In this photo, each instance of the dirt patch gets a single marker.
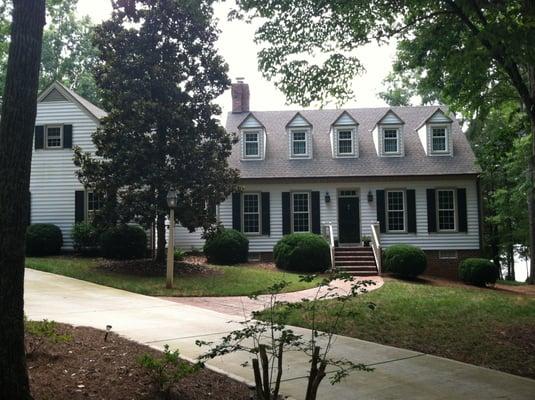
(191, 265)
(87, 367)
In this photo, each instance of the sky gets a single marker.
(238, 49)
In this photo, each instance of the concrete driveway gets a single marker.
(399, 373)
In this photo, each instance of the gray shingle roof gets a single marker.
(415, 162)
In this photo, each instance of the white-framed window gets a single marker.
(251, 213)
(395, 211)
(447, 254)
(299, 142)
(439, 139)
(345, 143)
(301, 212)
(446, 210)
(94, 203)
(251, 139)
(391, 141)
(54, 136)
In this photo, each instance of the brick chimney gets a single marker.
(240, 96)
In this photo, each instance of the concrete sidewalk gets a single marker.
(399, 374)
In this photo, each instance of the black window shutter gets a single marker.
(236, 211)
(431, 211)
(286, 214)
(79, 206)
(39, 137)
(316, 225)
(67, 136)
(381, 210)
(266, 229)
(411, 211)
(461, 205)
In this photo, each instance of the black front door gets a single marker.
(348, 220)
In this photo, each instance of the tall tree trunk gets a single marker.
(160, 232)
(16, 134)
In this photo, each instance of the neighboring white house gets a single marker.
(409, 168)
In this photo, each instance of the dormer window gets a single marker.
(252, 144)
(299, 137)
(344, 136)
(253, 139)
(391, 141)
(299, 143)
(439, 139)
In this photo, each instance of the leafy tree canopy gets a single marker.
(159, 74)
(67, 54)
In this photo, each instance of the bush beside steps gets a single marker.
(405, 260)
(43, 240)
(302, 252)
(478, 272)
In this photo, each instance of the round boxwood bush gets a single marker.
(226, 246)
(477, 271)
(85, 237)
(123, 242)
(43, 240)
(302, 252)
(405, 260)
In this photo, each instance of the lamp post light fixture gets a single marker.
(171, 203)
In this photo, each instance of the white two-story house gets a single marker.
(409, 169)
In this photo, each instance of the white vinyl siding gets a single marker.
(368, 213)
(53, 181)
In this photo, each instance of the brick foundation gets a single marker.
(266, 256)
(447, 268)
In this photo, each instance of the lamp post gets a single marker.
(171, 203)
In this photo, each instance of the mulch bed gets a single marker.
(87, 367)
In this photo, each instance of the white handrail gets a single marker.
(330, 237)
(376, 245)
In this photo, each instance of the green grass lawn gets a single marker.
(478, 326)
(214, 281)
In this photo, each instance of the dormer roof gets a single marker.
(437, 116)
(345, 119)
(298, 121)
(390, 118)
(250, 121)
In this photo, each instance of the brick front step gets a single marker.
(358, 261)
(354, 262)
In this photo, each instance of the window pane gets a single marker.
(251, 149)
(250, 203)
(345, 142)
(53, 137)
(439, 139)
(299, 147)
(395, 211)
(390, 140)
(299, 135)
(446, 209)
(300, 212)
(251, 213)
(93, 202)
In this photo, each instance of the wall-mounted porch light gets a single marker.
(327, 197)
(370, 196)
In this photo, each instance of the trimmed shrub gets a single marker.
(123, 242)
(477, 271)
(85, 237)
(405, 260)
(43, 240)
(226, 246)
(302, 252)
